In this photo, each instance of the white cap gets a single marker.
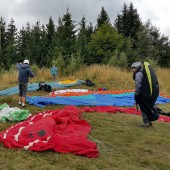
(26, 61)
(136, 65)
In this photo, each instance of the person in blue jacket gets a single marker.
(54, 72)
(24, 73)
(146, 91)
(20, 62)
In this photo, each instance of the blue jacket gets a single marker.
(54, 71)
(18, 66)
(24, 73)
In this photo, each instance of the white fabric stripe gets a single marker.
(29, 115)
(47, 114)
(36, 141)
(19, 132)
(70, 91)
(5, 133)
(32, 118)
(30, 144)
(48, 138)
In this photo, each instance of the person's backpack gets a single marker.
(45, 87)
(162, 112)
(154, 115)
(89, 83)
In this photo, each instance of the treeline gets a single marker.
(70, 45)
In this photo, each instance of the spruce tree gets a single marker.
(103, 18)
(65, 36)
(2, 41)
(104, 43)
(11, 45)
(49, 44)
(25, 46)
(128, 23)
(82, 38)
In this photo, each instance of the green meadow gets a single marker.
(121, 144)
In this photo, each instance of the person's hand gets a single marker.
(137, 107)
(136, 96)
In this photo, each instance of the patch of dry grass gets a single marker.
(164, 81)
(111, 77)
(8, 79)
(102, 75)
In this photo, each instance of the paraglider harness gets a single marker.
(45, 87)
(88, 82)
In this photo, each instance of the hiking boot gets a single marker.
(144, 125)
(19, 103)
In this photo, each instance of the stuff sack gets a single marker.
(162, 112)
(45, 87)
(89, 83)
(155, 114)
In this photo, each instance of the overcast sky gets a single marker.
(23, 11)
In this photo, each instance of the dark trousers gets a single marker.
(146, 104)
(22, 89)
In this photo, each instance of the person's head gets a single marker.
(136, 66)
(26, 61)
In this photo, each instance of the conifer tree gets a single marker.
(65, 36)
(89, 32)
(82, 38)
(25, 46)
(128, 23)
(49, 43)
(2, 41)
(104, 43)
(103, 18)
(36, 43)
(11, 45)
(160, 44)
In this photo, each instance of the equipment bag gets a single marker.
(45, 87)
(89, 83)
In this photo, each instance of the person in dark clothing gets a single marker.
(24, 73)
(146, 91)
(20, 62)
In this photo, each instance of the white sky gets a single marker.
(23, 11)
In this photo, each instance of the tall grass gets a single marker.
(8, 79)
(102, 75)
(111, 77)
(164, 81)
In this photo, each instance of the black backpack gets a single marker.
(89, 83)
(162, 112)
(45, 87)
(154, 115)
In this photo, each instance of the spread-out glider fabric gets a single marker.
(35, 86)
(123, 99)
(58, 130)
(12, 114)
(114, 109)
(80, 92)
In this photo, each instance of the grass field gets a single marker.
(122, 145)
